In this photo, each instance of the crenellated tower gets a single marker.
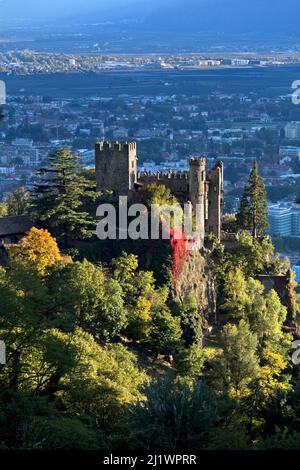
(197, 190)
(215, 180)
(116, 167)
(197, 179)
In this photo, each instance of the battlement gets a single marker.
(197, 161)
(116, 146)
(181, 175)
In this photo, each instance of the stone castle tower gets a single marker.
(197, 189)
(116, 170)
(116, 167)
(215, 200)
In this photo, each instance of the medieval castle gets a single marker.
(116, 170)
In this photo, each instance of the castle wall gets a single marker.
(282, 284)
(178, 183)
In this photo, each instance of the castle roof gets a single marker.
(15, 225)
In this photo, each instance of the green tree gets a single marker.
(254, 256)
(189, 362)
(139, 320)
(55, 432)
(153, 193)
(266, 316)
(58, 200)
(125, 269)
(253, 209)
(18, 202)
(57, 378)
(86, 297)
(238, 364)
(166, 333)
(3, 209)
(243, 218)
(264, 406)
(191, 320)
(176, 415)
(104, 382)
(141, 296)
(235, 297)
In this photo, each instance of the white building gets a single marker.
(292, 130)
(20, 142)
(2, 92)
(280, 220)
(289, 151)
(284, 219)
(240, 62)
(7, 170)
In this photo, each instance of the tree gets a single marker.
(61, 433)
(3, 209)
(58, 200)
(253, 208)
(37, 249)
(175, 416)
(238, 363)
(191, 318)
(254, 256)
(104, 381)
(190, 361)
(23, 327)
(18, 202)
(250, 255)
(235, 294)
(264, 404)
(141, 297)
(153, 193)
(84, 294)
(56, 379)
(125, 269)
(166, 333)
(229, 223)
(243, 218)
(266, 315)
(139, 320)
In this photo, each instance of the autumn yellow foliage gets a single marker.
(38, 249)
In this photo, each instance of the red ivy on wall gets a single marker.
(179, 246)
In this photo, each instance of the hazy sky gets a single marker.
(231, 16)
(44, 8)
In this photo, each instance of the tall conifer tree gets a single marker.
(253, 213)
(59, 200)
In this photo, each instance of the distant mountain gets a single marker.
(228, 16)
(224, 16)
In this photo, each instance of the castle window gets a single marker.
(132, 164)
